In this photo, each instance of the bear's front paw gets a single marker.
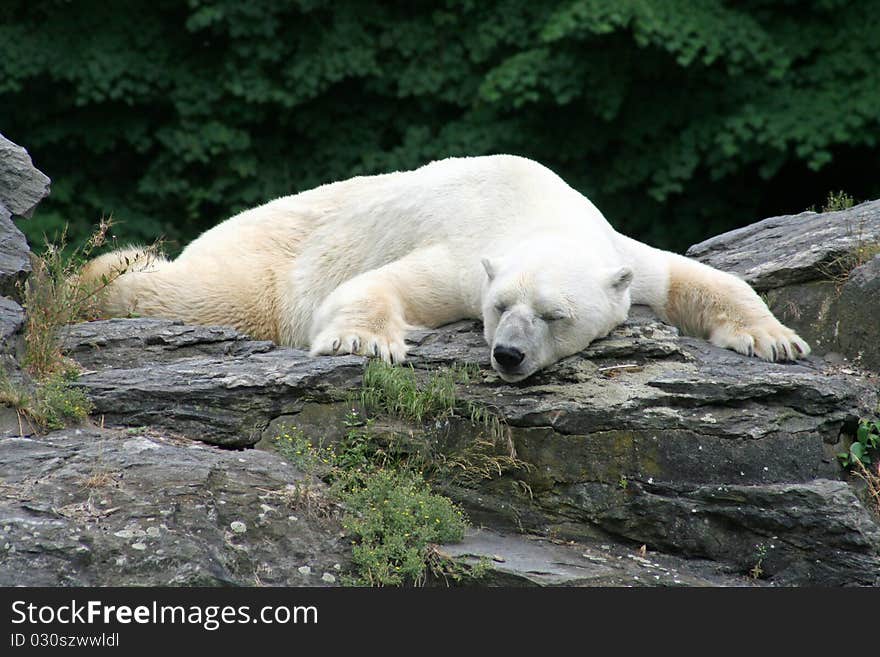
(334, 342)
(769, 340)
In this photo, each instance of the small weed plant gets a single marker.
(396, 520)
(58, 403)
(865, 446)
(387, 507)
(757, 571)
(837, 201)
(51, 403)
(863, 459)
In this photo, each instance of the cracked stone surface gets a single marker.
(93, 507)
(646, 437)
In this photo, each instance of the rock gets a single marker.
(126, 343)
(510, 559)
(11, 323)
(646, 436)
(97, 507)
(21, 187)
(15, 264)
(856, 326)
(218, 398)
(816, 272)
(814, 532)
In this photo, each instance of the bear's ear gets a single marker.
(621, 279)
(490, 268)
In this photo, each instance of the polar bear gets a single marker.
(351, 266)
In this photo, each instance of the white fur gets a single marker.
(351, 266)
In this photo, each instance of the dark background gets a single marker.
(679, 119)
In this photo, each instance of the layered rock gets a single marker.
(22, 187)
(94, 507)
(820, 273)
(646, 437)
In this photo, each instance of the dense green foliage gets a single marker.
(679, 118)
(388, 508)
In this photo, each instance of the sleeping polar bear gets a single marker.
(351, 266)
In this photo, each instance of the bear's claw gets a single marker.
(391, 350)
(769, 341)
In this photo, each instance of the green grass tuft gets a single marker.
(396, 391)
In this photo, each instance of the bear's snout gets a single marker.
(508, 357)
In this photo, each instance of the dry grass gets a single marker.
(98, 479)
(479, 461)
(871, 477)
(55, 295)
(839, 269)
(307, 497)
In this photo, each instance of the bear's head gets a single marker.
(537, 310)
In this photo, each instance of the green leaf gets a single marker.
(857, 450)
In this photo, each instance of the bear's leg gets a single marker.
(362, 316)
(724, 309)
(371, 313)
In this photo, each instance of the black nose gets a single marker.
(508, 357)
